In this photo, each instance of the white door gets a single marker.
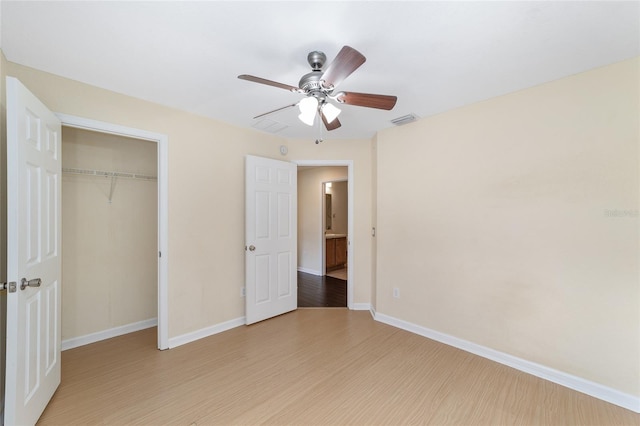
(33, 254)
(271, 238)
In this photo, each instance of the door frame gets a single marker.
(163, 205)
(351, 240)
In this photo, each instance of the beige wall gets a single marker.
(513, 223)
(359, 151)
(310, 214)
(110, 248)
(206, 193)
(339, 207)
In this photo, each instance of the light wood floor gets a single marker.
(309, 367)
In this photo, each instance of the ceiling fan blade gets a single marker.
(367, 100)
(275, 110)
(268, 82)
(346, 62)
(330, 126)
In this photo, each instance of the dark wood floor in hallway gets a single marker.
(321, 291)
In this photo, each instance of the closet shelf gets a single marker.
(102, 173)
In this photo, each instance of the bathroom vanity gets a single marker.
(336, 251)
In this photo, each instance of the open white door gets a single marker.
(33, 255)
(271, 238)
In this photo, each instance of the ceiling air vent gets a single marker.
(269, 126)
(404, 119)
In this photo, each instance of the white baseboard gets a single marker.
(108, 334)
(360, 307)
(310, 271)
(205, 332)
(593, 389)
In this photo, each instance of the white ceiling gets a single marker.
(434, 56)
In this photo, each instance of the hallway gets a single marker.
(321, 291)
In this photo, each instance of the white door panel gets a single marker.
(33, 251)
(271, 240)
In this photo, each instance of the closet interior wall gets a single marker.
(109, 232)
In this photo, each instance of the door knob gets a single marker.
(31, 283)
(252, 247)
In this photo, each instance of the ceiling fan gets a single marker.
(319, 85)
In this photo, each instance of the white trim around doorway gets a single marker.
(163, 205)
(350, 231)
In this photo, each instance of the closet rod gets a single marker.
(102, 173)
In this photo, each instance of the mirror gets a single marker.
(327, 211)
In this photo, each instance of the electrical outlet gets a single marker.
(396, 292)
(242, 292)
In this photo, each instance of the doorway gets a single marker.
(312, 221)
(115, 188)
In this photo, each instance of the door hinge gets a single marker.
(159, 254)
(12, 287)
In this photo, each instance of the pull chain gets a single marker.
(319, 126)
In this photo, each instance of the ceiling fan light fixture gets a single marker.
(308, 107)
(318, 88)
(331, 112)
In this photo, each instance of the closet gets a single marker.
(109, 233)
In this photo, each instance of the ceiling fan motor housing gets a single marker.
(311, 83)
(316, 59)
